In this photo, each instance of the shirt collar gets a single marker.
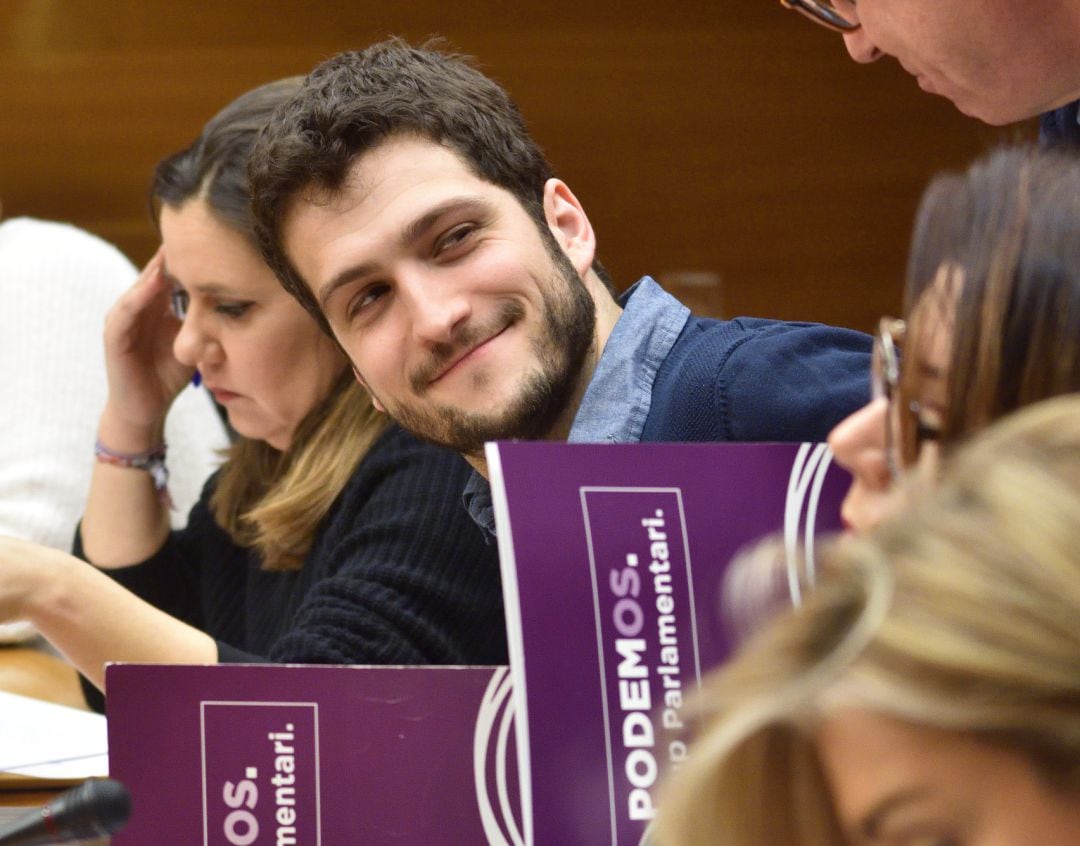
(617, 401)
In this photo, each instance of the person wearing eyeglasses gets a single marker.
(993, 320)
(997, 60)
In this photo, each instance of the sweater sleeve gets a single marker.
(170, 579)
(398, 574)
(401, 574)
(793, 381)
(167, 580)
(759, 380)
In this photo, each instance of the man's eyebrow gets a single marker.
(419, 227)
(342, 279)
(413, 232)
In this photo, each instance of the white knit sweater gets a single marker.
(56, 284)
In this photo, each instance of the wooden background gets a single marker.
(708, 139)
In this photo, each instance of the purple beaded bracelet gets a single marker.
(152, 461)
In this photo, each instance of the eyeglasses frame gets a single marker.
(885, 383)
(821, 13)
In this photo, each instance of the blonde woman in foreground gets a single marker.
(928, 692)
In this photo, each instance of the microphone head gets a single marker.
(94, 809)
(98, 806)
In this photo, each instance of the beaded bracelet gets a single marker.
(152, 461)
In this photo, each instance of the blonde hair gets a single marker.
(275, 501)
(960, 613)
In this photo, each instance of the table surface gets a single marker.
(31, 670)
(10, 814)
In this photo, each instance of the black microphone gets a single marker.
(96, 808)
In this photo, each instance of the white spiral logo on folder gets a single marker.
(800, 510)
(494, 722)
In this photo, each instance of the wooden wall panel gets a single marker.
(715, 138)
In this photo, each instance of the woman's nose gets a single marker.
(192, 342)
(858, 442)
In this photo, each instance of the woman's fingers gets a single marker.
(145, 303)
(150, 284)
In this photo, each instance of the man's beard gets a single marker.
(564, 339)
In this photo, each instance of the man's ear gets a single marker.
(374, 400)
(569, 224)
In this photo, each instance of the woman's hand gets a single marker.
(144, 376)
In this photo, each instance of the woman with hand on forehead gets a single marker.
(328, 535)
(993, 320)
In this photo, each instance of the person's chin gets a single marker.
(973, 111)
(258, 430)
(992, 114)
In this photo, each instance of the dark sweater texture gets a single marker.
(398, 574)
(750, 379)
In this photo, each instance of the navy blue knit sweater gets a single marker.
(398, 574)
(758, 380)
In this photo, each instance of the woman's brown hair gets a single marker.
(269, 500)
(1009, 231)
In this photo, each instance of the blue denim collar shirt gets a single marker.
(617, 401)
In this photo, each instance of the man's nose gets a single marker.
(860, 47)
(438, 308)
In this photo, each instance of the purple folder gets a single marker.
(613, 562)
(232, 755)
(613, 559)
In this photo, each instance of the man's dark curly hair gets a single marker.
(354, 101)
